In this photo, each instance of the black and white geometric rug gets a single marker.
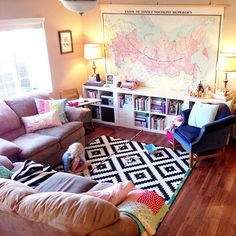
(115, 160)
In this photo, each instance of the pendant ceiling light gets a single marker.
(79, 6)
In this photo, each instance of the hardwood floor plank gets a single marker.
(206, 205)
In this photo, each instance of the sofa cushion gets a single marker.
(41, 121)
(6, 162)
(73, 213)
(8, 119)
(189, 133)
(65, 182)
(44, 106)
(8, 148)
(24, 105)
(14, 133)
(100, 186)
(12, 192)
(32, 144)
(63, 131)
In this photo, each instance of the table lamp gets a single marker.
(93, 52)
(227, 63)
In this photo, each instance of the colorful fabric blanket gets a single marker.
(146, 208)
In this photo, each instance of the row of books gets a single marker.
(141, 120)
(158, 105)
(141, 103)
(158, 122)
(92, 94)
(125, 101)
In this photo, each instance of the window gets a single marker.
(24, 64)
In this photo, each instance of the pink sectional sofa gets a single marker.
(60, 205)
(45, 146)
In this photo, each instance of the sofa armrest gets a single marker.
(75, 113)
(8, 148)
(219, 124)
(6, 162)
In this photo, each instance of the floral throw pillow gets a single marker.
(41, 121)
(51, 105)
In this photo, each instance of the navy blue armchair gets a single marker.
(209, 140)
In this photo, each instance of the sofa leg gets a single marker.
(174, 144)
(89, 126)
(92, 125)
(190, 160)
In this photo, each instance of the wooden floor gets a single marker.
(206, 205)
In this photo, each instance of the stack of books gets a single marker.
(158, 105)
(141, 120)
(94, 83)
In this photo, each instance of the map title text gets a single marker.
(156, 12)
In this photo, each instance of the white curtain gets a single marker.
(24, 64)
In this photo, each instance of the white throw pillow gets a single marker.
(202, 114)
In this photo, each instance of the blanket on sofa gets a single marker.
(146, 208)
(32, 173)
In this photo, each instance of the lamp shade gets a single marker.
(92, 51)
(227, 63)
(79, 6)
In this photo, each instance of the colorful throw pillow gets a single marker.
(41, 121)
(202, 114)
(44, 106)
(4, 172)
(114, 194)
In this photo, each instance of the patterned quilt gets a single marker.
(146, 208)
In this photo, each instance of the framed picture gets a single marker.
(65, 41)
(110, 79)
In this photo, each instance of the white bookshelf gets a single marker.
(150, 109)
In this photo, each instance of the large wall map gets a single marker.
(162, 48)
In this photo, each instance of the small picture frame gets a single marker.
(109, 79)
(65, 41)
